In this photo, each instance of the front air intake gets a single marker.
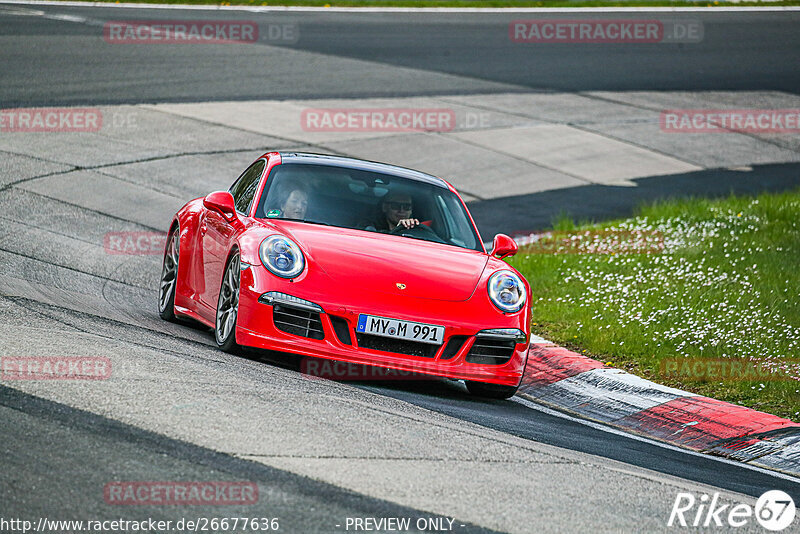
(297, 321)
(341, 329)
(491, 351)
(398, 346)
(452, 347)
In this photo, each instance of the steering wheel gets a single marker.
(420, 232)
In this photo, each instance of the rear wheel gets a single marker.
(228, 306)
(169, 278)
(491, 391)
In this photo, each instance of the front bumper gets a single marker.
(329, 333)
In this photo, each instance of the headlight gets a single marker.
(281, 256)
(507, 291)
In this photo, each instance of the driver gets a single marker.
(396, 211)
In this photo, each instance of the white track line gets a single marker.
(615, 431)
(267, 9)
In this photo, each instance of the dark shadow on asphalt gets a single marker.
(451, 398)
(448, 44)
(537, 211)
(66, 475)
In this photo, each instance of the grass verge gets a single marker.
(715, 282)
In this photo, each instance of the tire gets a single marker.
(169, 277)
(228, 307)
(491, 391)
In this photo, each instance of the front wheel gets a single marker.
(491, 391)
(228, 307)
(169, 278)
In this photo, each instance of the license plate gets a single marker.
(386, 327)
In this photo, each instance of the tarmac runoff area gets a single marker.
(65, 293)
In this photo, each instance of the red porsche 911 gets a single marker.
(354, 261)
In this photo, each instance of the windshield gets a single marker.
(369, 201)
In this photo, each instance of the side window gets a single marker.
(245, 187)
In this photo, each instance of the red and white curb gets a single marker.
(567, 381)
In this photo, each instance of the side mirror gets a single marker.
(503, 246)
(222, 203)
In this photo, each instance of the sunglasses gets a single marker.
(399, 206)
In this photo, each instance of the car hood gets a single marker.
(373, 262)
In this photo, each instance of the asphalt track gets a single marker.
(51, 61)
(56, 478)
(177, 409)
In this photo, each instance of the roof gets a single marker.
(362, 165)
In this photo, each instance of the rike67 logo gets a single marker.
(774, 511)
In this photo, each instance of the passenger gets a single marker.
(293, 202)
